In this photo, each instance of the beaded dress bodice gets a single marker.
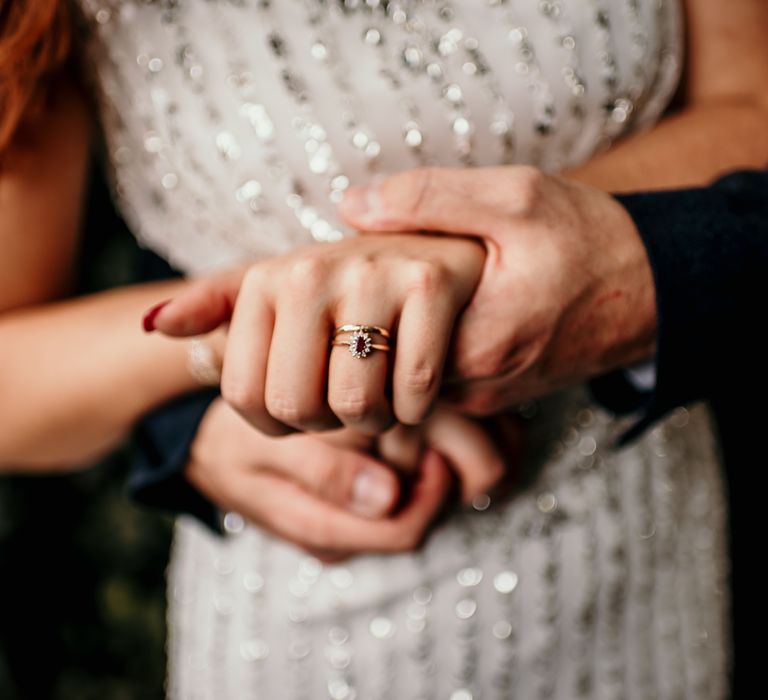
(233, 128)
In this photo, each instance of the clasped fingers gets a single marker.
(354, 333)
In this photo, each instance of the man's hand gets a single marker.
(566, 291)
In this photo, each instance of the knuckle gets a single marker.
(484, 364)
(421, 380)
(241, 396)
(408, 190)
(306, 275)
(354, 406)
(358, 276)
(428, 277)
(287, 410)
(529, 188)
(252, 279)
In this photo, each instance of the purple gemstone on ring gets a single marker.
(360, 345)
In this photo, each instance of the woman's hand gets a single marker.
(340, 494)
(279, 369)
(326, 495)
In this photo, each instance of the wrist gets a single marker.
(626, 302)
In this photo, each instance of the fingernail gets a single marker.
(372, 493)
(359, 203)
(148, 321)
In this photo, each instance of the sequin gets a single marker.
(415, 626)
(248, 190)
(452, 93)
(152, 142)
(470, 576)
(505, 581)
(412, 57)
(257, 115)
(253, 582)
(481, 502)
(338, 636)
(416, 612)
(339, 689)
(228, 146)
(341, 577)
(422, 595)
(321, 230)
(299, 588)
(372, 36)
(466, 608)
(254, 650)
(360, 139)
(434, 71)
(461, 126)
(546, 502)
(319, 51)
(587, 445)
(320, 156)
(224, 565)
(382, 627)
(169, 181)
(502, 629)
(155, 64)
(298, 613)
(234, 523)
(299, 650)
(337, 657)
(372, 149)
(340, 182)
(461, 694)
(223, 604)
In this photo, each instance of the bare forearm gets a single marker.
(75, 375)
(686, 149)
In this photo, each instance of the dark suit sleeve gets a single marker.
(162, 442)
(708, 250)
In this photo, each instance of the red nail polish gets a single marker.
(148, 321)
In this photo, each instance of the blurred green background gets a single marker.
(82, 599)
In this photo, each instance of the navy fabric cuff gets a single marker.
(163, 441)
(708, 249)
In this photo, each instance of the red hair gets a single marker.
(35, 40)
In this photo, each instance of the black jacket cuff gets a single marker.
(708, 250)
(163, 441)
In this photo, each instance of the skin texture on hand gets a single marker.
(566, 292)
(340, 494)
(279, 369)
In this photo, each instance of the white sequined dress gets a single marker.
(233, 127)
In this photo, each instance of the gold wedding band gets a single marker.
(355, 327)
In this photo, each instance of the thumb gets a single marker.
(347, 478)
(445, 200)
(474, 457)
(201, 307)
